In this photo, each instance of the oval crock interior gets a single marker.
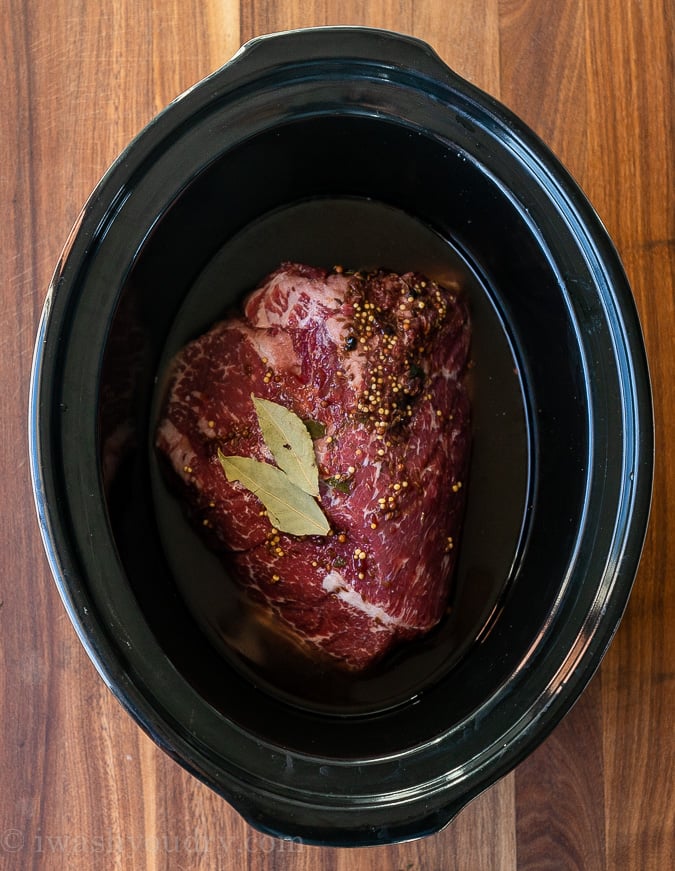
(450, 191)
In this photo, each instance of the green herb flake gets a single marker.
(340, 484)
(315, 428)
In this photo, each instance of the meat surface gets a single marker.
(373, 363)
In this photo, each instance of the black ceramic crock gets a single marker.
(360, 147)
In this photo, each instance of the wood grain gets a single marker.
(82, 786)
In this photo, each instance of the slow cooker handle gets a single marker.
(267, 53)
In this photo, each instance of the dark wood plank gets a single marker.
(559, 790)
(631, 180)
(560, 822)
(543, 73)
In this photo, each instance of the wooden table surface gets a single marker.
(80, 784)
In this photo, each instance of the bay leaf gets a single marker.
(289, 441)
(289, 508)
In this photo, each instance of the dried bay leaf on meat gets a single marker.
(288, 439)
(289, 508)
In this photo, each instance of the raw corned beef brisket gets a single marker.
(373, 364)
